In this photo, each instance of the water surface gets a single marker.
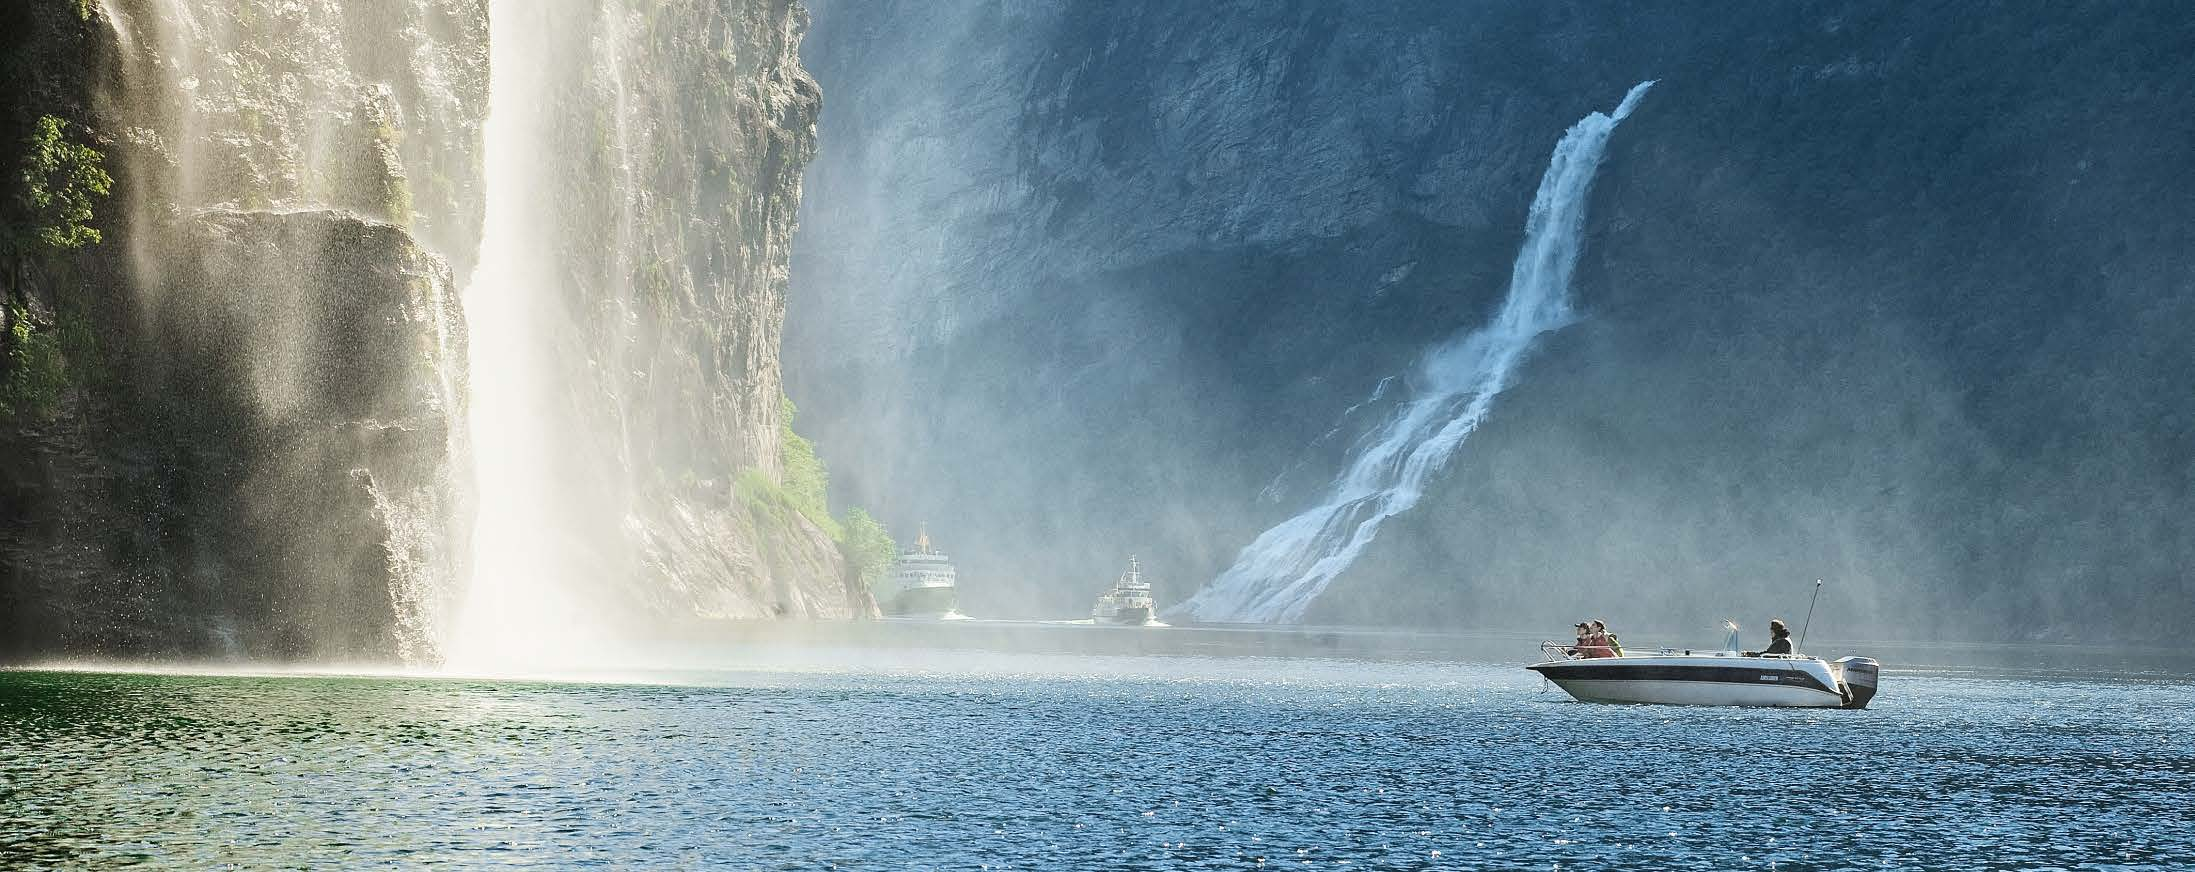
(969, 760)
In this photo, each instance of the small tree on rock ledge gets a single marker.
(52, 211)
(60, 182)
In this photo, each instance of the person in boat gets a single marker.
(1593, 640)
(1779, 640)
(1600, 644)
(1615, 646)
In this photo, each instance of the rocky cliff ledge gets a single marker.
(250, 445)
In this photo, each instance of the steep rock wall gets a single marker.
(663, 170)
(254, 452)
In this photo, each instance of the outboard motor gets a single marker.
(1859, 676)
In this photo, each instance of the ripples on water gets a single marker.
(1078, 762)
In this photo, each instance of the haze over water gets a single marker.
(978, 760)
(552, 376)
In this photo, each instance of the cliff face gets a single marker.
(656, 152)
(257, 443)
(702, 273)
(253, 447)
(1881, 294)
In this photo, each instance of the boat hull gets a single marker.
(924, 602)
(1134, 616)
(1699, 680)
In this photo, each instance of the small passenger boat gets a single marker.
(1730, 677)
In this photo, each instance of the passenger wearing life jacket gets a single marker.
(1615, 648)
(1779, 641)
(1598, 644)
(1593, 640)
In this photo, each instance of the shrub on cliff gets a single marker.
(869, 548)
(59, 184)
(803, 486)
(806, 482)
(35, 370)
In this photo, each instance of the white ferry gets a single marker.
(925, 582)
(1128, 603)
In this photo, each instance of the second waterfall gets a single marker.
(1279, 575)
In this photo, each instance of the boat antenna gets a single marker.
(1809, 616)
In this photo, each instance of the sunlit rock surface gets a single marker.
(653, 153)
(255, 455)
(1871, 292)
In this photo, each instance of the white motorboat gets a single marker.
(1682, 677)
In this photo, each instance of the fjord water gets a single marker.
(970, 760)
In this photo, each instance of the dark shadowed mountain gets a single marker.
(1897, 295)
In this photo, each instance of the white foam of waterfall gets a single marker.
(519, 610)
(1279, 575)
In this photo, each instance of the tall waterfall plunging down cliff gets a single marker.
(1280, 574)
(643, 162)
(518, 605)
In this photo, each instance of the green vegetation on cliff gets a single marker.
(807, 482)
(804, 488)
(60, 182)
(35, 370)
(52, 211)
(868, 547)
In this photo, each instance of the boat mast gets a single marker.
(1809, 616)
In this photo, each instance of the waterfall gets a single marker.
(520, 605)
(643, 161)
(459, 346)
(1279, 575)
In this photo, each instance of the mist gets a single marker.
(1871, 295)
(416, 331)
(475, 432)
(421, 330)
